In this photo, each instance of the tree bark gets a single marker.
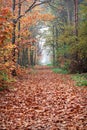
(76, 16)
(54, 46)
(68, 11)
(14, 22)
(19, 13)
(19, 28)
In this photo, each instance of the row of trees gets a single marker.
(67, 35)
(18, 31)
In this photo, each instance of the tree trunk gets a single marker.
(31, 57)
(19, 27)
(19, 13)
(14, 22)
(68, 11)
(13, 72)
(76, 16)
(54, 46)
(75, 59)
(56, 29)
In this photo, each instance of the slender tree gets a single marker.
(76, 16)
(16, 20)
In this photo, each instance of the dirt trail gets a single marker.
(44, 101)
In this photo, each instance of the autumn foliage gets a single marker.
(5, 42)
(12, 54)
(34, 97)
(5, 26)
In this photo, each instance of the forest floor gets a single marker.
(43, 100)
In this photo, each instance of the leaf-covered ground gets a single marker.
(43, 100)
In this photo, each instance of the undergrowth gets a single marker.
(80, 79)
(49, 65)
(5, 81)
(60, 70)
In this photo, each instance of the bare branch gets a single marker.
(20, 2)
(33, 5)
(52, 6)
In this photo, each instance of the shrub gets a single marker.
(80, 79)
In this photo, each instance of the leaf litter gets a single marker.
(44, 101)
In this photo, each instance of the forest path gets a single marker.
(44, 100)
